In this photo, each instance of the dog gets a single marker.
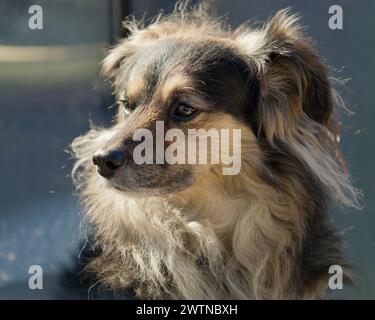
(186, 231)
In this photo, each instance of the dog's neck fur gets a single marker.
(201, 243)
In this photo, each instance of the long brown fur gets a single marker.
(262, 234)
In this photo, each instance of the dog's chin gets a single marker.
(139, 191)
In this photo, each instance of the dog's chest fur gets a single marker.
(153, 249)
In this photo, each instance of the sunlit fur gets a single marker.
(262, 234)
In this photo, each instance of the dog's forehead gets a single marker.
(147, 67)
(212, 68)
(160, 58)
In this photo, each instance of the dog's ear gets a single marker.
(294, 83)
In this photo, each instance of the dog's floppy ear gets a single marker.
(296, 101)
(294, 83)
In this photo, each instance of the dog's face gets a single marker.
(263, 83)
(183, 84)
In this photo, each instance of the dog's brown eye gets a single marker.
(126, 106)
(183, 112)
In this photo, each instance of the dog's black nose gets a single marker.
(108, 162)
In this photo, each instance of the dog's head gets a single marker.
(187, 71)
(176, 81)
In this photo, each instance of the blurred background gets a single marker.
(50, 90)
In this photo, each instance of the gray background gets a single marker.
(45, 104)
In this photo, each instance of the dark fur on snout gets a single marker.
(187, 231)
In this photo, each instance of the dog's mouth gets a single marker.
(149, 179)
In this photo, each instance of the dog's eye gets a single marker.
(183, 112)
(126, 106)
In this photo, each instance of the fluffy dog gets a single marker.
(188, 231)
